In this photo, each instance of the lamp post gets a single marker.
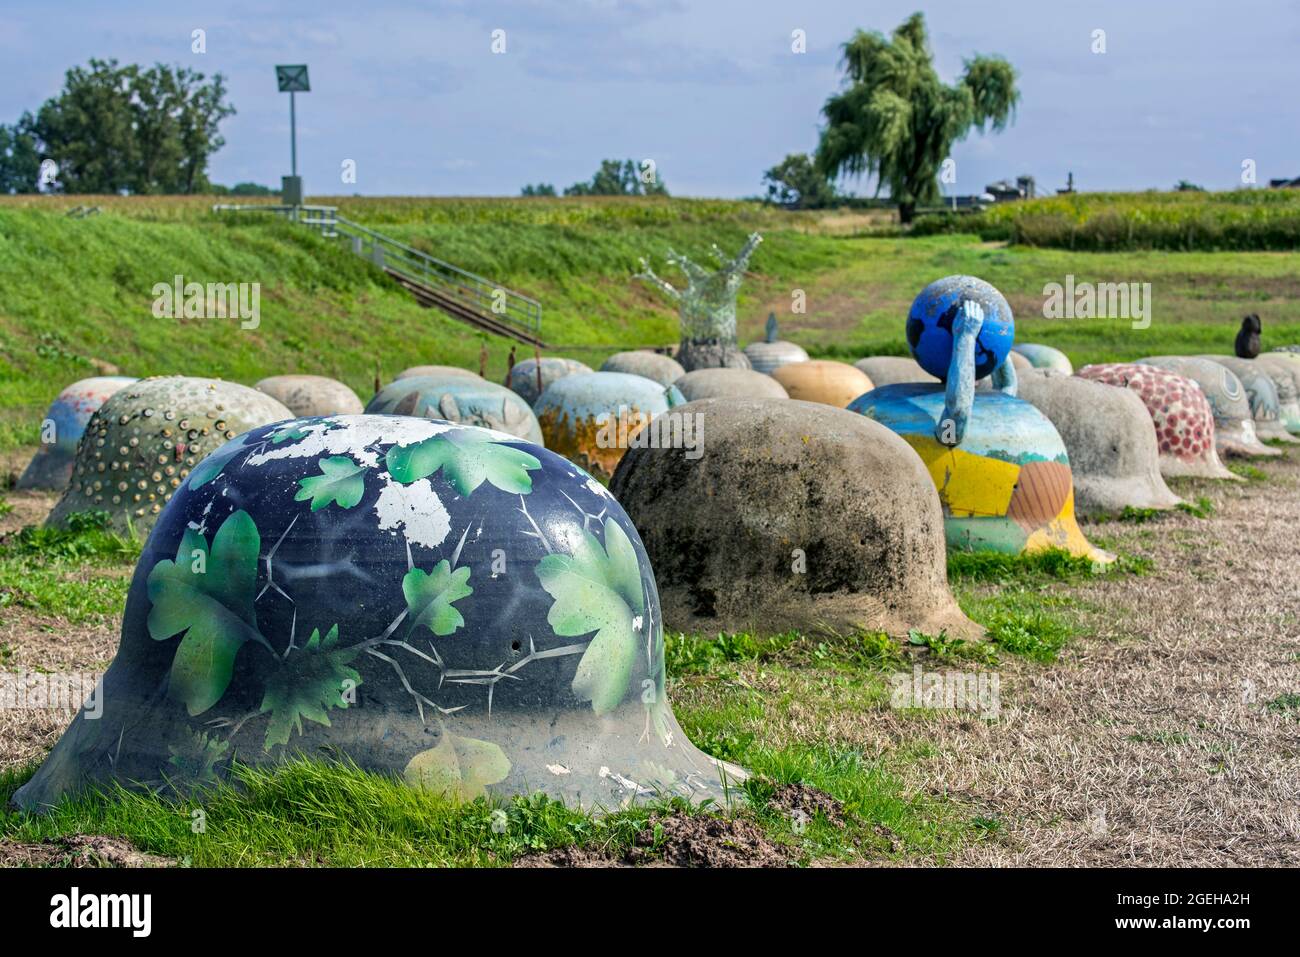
(292, 79)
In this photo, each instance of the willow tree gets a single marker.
(897, 121)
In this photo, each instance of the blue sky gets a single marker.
(708, 89)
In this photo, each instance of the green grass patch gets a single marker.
(1247, 471)
(1201, 507)
(75, 572)
(1285, 702)
(1053, 564)
(1023, 621)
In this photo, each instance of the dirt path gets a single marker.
(1153, 741)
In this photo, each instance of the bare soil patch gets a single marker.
(78, 850)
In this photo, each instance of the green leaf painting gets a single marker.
(288, 433)
(467, 458)
(458, 767)
(598, 589)
(313, 679)
(429, 596)
(208, 595)
(341, 480)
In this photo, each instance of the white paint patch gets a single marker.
(414, 509)
(557, 769)
(598, 489)
(351, 435)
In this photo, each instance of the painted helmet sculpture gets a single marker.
(593, 418)
(65, 421)
(307, 395)
(440, 602)
(1284, 369)
(459, 399)
(526, 380)
(1234, 423)
(1263, 393)
(1001, 468)
(651, 365)
(823, 380)
(772, 353)
(1181, 414)
(148, 437)
(1044, 357)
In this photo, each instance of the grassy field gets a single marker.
(76, 294)
(1255, 219)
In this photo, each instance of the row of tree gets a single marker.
(115, 129)
(614, 178)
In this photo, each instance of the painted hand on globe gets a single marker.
(951, 427)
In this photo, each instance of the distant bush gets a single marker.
(1104, 222)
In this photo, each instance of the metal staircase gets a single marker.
(435, 284)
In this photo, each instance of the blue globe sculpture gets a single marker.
(930, 320)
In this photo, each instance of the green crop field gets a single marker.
(76, 294)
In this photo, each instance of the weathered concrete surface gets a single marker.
(824, 381)
(797, 516)
(1043, 357)
(1110, 438)
(524, 377)
(891, 370)
(308, 395)
(648, 365)
(459, 399)
(737, 383)
(1284, 368)
(426, 371)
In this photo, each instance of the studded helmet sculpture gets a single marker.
(143, 442)
(445, 603)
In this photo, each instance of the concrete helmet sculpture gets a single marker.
(438, 602)
(1284, 370)
(62, 428)
(773, 352)
(307, 395)
(459, 399)
(437, 371)
(530, 377)
(707, 307)
(1109, 436)
(1234, 423)
(1263, 393)
(593, 418)
(737, 383)
(148, 437)
(1044, 357)
(891, 370)
(823, 380)
(801, 516)
(650, 365)
(1001, 468)
(1183, 419)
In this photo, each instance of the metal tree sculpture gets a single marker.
(707, 307)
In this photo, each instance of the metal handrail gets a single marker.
(492, 298)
